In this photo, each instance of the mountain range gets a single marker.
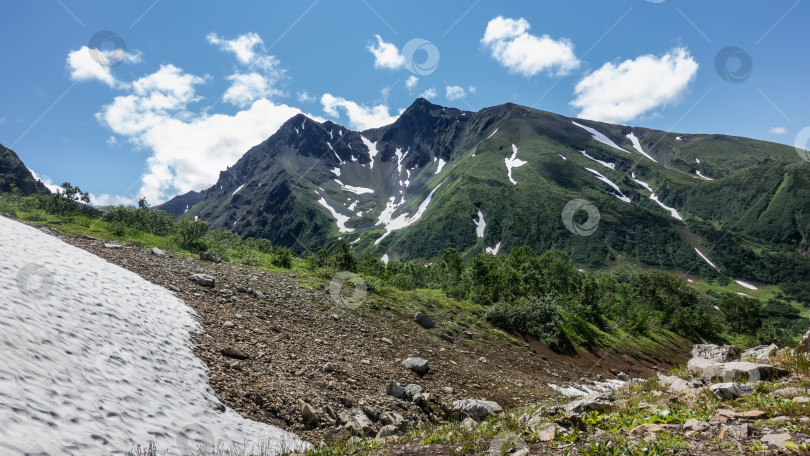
(15, 175)
(438, 177)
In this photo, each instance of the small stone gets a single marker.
(387, 430)
(476, 409)
(258, 294)
(113, 246)
(623, 377)
(203, 280)
(779, 440)
(309, 415)
(156, 251)
(730, 391)
(393, 388)
(423, 320)
(754, 415)
(228, 324)
(546, 432)
(469, 423)
(328, 367)
(387, 341)
(482, 360)
(448, 390)
(233, 352)
(447, 337)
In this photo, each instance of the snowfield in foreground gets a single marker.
(96, 360)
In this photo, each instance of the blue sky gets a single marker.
(201, 81)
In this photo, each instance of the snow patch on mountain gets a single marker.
(513, 162)
(745, 284)
(610, 182)
(353, 189)
(97, 360)
(562, 156)
(237, 190)
(653, 197)
(637, 146)
(403, 220)
(372, 150)
(705, 258)
(492, 134)
(385, 258)
(704, 177)
(340, 218)
(605, 164)
(493, 250)
(600, 137)
(441, 165)
(336, 171)
(480, 225)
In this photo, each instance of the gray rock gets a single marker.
(730, 391)
(593, 402)
(85, 237)
(386, 340)
(208, 256)
(412, 390)
(392, 419)
(693, 424)
(739, 431)
(752, 372)
(778, 440)
(113, 246)
(546, 432)
(258, 294)
(760, 353)
(476, 409)
(676, 384)
(156, 251)
(423, 320)
(363, 421)
(418, 365)
(328, 367)
(309, 415)
(801, 399)
(623, 377)
(482, 360)
(469, 423)
(203, 280)
(387, 430)
(791, 391)
(233, 352)
(448, 390)
(393, 388)
(716, 353)
(447, 337)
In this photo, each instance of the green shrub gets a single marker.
(540, 317)
(191, 231)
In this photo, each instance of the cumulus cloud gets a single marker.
(360, 117)
(46, 181)
(429, 94)
(265, 72)
(411, 82)
(520, 52)
(623, 92)
(84, 64)
(454, 93)
(305, 97)
(778, 130)
(187, 151)
(386, 55)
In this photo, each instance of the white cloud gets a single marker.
(261, 81)
(305, 97)
(106, 199)
(623, 92)
(411, 82)
(429, 94)
(454, 93)
(472, 89)
(360, 117)
(112, 141)
(247, 88)
(46, 181)
(778, 130)
(386, 55)
(522, 53)
(186, 153)
(248, 49)
(86, 64)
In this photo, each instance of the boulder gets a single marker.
(363, 422)
(392, 419)
(730, 391)
(157, 252)
(737, 432)
(760, 353)
(412, 390)
(777, 440)
(212, 257)
(790, 391)
(418, 365)
(309, 415)
(752, 372)
(593, 402)
(423, 320)
(203, 280)
(476, 409)
(393, 388)
(716, 353)
(386, 431)
(678, 385)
